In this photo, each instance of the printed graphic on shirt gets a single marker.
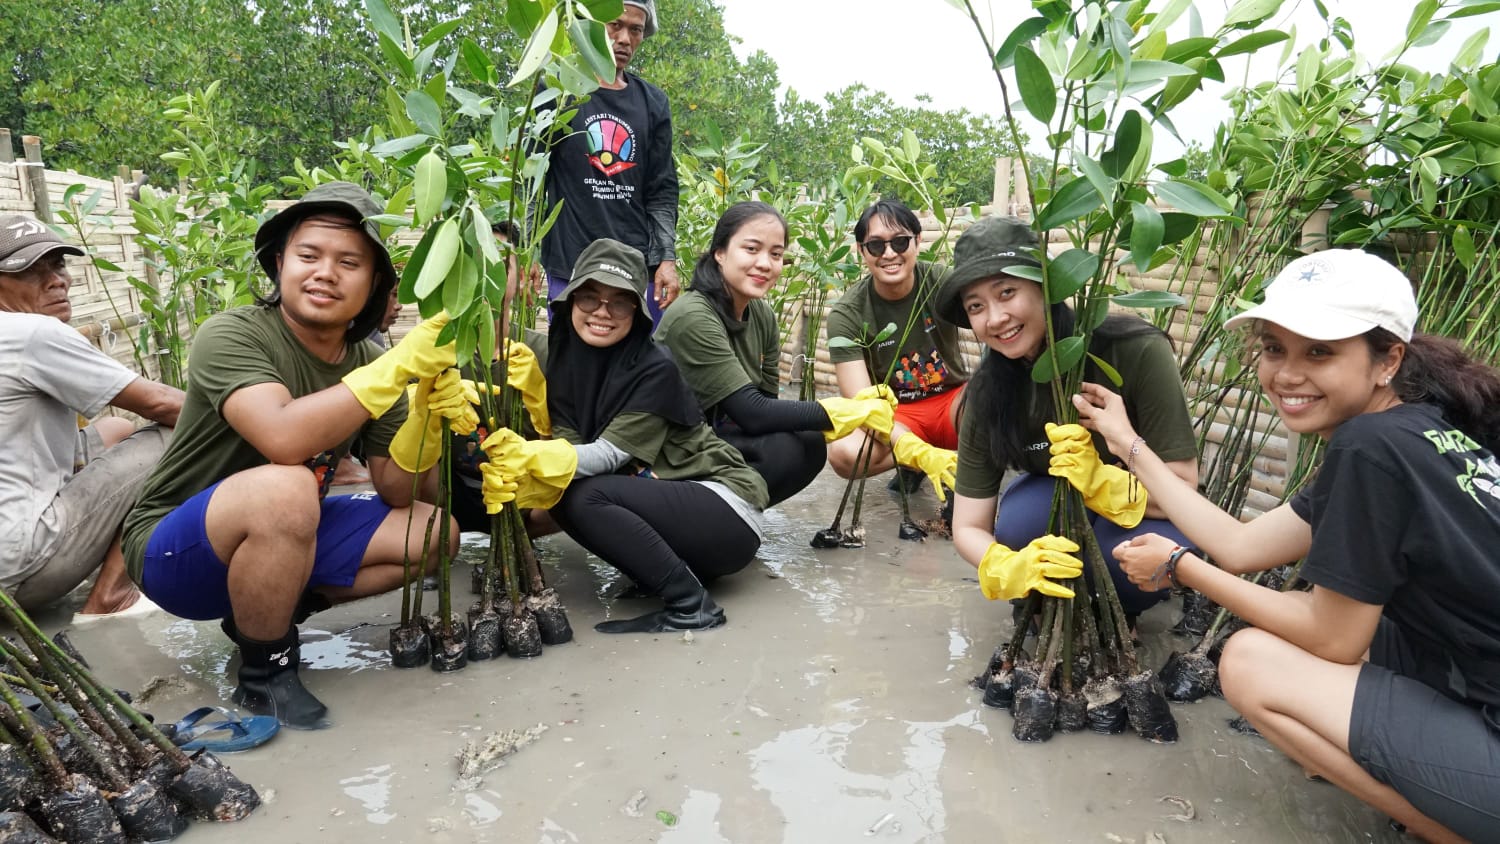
(1481, 476)
(611, 144)
(919, 374)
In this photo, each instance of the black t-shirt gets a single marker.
(615, 177)
(1405, 513)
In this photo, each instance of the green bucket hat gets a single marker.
(344, 199)
(986, 249)
(610, 263)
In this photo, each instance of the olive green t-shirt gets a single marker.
(1154, 401)
(718, 359)
(679, 453)
(930, 362)
(232, 350)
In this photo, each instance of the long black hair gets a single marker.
(370, 317)
(708, 277)
(1440, 371)
(1001, 391)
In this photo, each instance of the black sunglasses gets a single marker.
(874, 247)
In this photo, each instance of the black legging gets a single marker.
(781, 439)
(646, 527)
(787, 460)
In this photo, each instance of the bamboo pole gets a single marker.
(7, 149)
(36, 177)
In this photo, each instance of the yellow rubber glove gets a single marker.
(849, 415)
(541, 469)
(1109, 491)
(419, 441)
(939, 464)
(1008, 574)
(877, 391)
(524, 373)
(495, 489)
(433, 405)
(454, 399)
(380, 382)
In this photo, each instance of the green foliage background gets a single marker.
(92, 78)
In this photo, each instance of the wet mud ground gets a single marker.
(835, 706)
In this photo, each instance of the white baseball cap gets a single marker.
(1336, 294)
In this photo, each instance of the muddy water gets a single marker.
(834, 707)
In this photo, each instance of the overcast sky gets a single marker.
(907, 48)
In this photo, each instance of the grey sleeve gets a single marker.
(661, 183)
(599, 457)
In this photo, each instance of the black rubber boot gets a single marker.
(309, 604)
(688, 607)
(906, 477)
(269, 684)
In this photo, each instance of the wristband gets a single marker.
(1171, 564)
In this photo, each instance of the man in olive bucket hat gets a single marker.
(235, 523)
(613, 170)
(64, 490)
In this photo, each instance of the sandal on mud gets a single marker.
(230, 735)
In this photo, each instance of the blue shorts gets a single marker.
(184, 576)
(1022, 516)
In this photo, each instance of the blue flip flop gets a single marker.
(230, 735)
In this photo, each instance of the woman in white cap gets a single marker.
(1385, 678)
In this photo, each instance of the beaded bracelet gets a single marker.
(1135, 448)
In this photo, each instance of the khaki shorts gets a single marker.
(90, 509)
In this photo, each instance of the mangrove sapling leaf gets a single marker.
(1146, 231)
(1117, 159)
(1251, 43)
(439, 259)
(590, 41)
(538, 47)
(1072, 201)
(430, 186)
(1109, 371)
(1149, 299)
(1068, 352)
(1195, 198)
(424, 112)
(1066, 274)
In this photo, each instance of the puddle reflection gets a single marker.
(482, 812)
(807, 775)
(372, 789)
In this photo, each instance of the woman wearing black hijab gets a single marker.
(633, 473)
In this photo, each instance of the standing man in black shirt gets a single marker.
(614, 172)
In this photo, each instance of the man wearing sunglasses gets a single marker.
(921, 364)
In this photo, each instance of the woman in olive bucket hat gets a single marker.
(1009, 424)
(634, 475)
